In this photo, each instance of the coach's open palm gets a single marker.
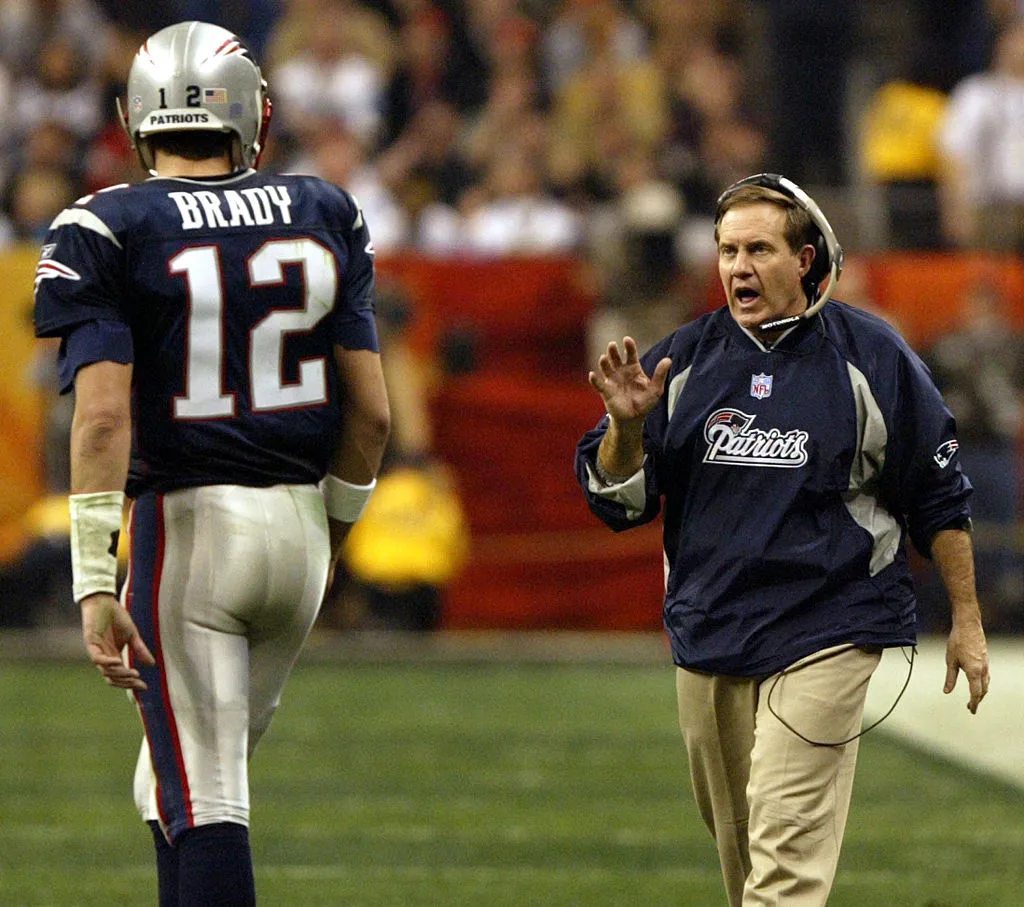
(628, 392)
(106, 629)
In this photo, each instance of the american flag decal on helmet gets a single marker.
(48, 269)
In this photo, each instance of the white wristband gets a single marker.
(344, 501)
(95, 524)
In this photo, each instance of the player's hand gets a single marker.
(628, 393)
(967, 651)
(106, 629)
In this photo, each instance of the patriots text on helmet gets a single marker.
(255, 206)
(732, 441)
(176, 119)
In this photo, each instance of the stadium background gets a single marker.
(495, 336)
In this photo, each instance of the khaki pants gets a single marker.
(775, 803)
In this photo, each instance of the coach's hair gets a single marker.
(799, 230)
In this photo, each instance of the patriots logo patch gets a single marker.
(945, 452)
(733, 441)
(48, 269)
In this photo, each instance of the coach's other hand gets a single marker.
(967, 651)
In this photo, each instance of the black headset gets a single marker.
(828, 254)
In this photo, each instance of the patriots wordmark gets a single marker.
(732, 441)
(166, 119)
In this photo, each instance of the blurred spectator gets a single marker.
(109, 157)
(899, 149)
(28, 27)
(633, 250)
(60, 89)
(426, 164)
(713, 137)
(413, 540)
(982, 180)
(979, 367)
(330, 75)
(37, 196)
(436, 66)
(511, 214)
(567, 44)
(336, 155)
(369, 32)
(811, 45)
(614, 103)
(514, 105)
(711, 143)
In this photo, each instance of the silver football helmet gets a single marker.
(196, 76)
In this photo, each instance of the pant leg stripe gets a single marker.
(174, 800)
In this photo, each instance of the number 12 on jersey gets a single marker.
(205, 396)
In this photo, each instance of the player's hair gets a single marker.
(193, 146)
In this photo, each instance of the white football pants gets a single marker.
(224, 584)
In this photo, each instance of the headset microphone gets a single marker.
(828, 254)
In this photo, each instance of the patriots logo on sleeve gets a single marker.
(48, 268)
(945, 452)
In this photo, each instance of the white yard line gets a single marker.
(991, 741)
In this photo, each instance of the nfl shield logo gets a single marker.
(760, 386)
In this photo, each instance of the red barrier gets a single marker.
(509, 426)
(508, 429)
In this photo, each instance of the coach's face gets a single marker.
(760, 273)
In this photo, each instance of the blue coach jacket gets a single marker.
(789, 478)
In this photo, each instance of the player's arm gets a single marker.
(966, 649)
(360, 449)
(100, 450)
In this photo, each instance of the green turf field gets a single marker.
(493, 785)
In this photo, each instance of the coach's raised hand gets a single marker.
(627, 391)
(629, 395)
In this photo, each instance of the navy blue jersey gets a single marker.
(228, 296)
(790, 477)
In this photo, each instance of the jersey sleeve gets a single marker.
(637, 500)
(80, 271)
(98, 340)
(922, 469)
(355, 326)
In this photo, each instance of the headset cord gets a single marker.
(872, 726)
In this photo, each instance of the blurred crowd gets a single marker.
(515, 126)
(604, 129)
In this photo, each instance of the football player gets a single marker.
(217, 327)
